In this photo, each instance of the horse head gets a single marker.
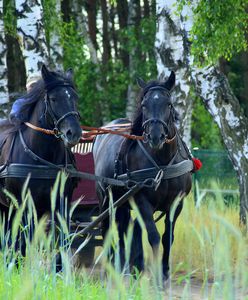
(157, 111)
(60, 105)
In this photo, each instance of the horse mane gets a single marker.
(137, 117)
(37, 93)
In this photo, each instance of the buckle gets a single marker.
(158, 178)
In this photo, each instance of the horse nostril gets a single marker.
(69, 133)
(162, 136)
(149, 136)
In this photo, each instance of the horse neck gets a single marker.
(47, 146)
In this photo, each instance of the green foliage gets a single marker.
(205, 133)
(102, 88)
(52, 19)
(237, 71)
(218, 30)
(9, 17)
(109, 102)
(142, 40)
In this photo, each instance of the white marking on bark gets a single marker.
(31, 34)
(55, 49)
(245, 148)
(170, 56)
(232, 120)
(4, 95)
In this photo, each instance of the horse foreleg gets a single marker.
(122, 220)
(146, 211)
(168, 238)
(137, 255)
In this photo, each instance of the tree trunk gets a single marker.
(113, 31)
(4, 95)
(210, 84)
(105, 34)
(213, 88)
(31, 34)
(54, 48)
(146, 9)
(122, 11)
(91, 8)
(172, 54)
(132, 90)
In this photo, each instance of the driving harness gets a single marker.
(156, 173)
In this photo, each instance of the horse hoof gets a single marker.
(166, 277)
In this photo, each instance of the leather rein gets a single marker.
(89, 133)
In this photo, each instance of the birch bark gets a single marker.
(209, 83)
(55, 49)
(172, 54)
(31, 34)
(4, 95)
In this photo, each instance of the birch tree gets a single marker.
(55, 50)
(31, 34)
(210, 84)
(171, 49)
(4, 96)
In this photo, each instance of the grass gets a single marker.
(209, 260)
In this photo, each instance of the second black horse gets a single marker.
(162, 159)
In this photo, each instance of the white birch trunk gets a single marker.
(170, 46)
(211, 85)
(4, 95)
(31, 35)
(55, 49)
(213, 88)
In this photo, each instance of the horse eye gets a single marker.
(170, 105)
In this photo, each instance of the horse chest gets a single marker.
(168, 190)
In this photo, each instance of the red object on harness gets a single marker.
(197, 164)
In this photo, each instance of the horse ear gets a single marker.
(141, 83)
(170, 81)
(44, 72)
(69, 74)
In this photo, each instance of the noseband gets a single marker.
(48, 109)
(146, 123)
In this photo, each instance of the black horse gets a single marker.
(162, 160)
(26, 148)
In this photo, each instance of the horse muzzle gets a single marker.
(155, 133)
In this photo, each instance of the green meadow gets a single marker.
(209, 259)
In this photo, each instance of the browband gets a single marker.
(158, 87)
(53, 85)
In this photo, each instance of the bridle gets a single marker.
(150, 121)
(48, 110)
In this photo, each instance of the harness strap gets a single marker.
(148, 156)
(15, 170)
(34, 156)
(169, 172)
